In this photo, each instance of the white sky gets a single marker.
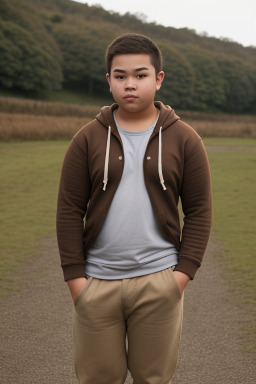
(233, 19)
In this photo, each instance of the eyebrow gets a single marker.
(136, 70)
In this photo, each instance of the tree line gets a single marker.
(48, 45)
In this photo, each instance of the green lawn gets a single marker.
(29, 175)
(233, 169)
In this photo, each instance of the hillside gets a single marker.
(48, 45)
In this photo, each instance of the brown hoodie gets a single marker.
(175, 166)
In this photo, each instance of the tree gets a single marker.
(83, 52)
(41, 39)
(177, 88)
(23, 63)
(209, 85)
(239, 89)
(251, 107)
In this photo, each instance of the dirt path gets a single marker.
(35, 345)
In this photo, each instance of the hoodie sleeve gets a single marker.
(73, 197)
(196, 198)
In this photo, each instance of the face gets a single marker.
(133, 82)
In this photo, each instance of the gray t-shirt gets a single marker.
(130, 243)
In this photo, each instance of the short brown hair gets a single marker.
(134, 43)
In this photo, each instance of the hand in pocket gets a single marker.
(182, 280)
(76, 286)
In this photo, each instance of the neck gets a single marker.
(137, 121)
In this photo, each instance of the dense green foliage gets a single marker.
(30, 59)
(52, 44)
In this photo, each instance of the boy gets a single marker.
(126, 266)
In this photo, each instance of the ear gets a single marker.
(108, 80)
(159, 80)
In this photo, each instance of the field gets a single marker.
(30, 172)
(40, 120)
(29, 181)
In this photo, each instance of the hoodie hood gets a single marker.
(166, 118)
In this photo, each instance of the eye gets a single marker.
(120, 77)
(141, 76)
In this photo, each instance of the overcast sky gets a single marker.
(233, 19)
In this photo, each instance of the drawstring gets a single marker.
(160, 170)
(105, 180)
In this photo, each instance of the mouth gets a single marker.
(130, 97)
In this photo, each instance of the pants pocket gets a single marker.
(84, 289)
(174, 282)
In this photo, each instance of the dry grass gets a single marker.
(196, 115)
(35, 107)
(22, 119)
(37, 120)
(241, 129)
(220, 125)
(31, 127)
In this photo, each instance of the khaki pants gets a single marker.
(147, 310)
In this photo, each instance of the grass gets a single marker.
(233, 173)
(45, 108)
(32, 127)
(79, 98)
(24, 119)
(29, 175)
(64, 96)
(230, 143)
(29, 181)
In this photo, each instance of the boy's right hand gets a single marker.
(76, 286)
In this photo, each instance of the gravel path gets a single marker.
(36, 328)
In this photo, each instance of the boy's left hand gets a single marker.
(182, 280)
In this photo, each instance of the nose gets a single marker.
(130, 85)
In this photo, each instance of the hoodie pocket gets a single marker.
(166, 231)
